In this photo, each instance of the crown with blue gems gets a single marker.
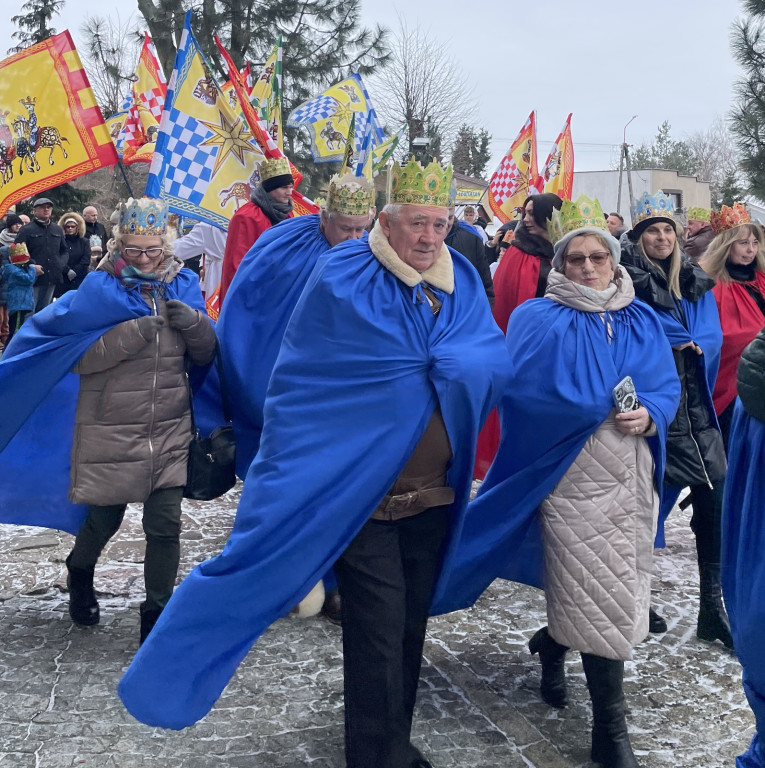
(143, 216)
(415, 185)
(583, 212)
(350, 195)
(658, 206)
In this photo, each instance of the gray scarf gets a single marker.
(276, 212)
(7, 237)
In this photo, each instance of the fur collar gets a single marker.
(440, 274)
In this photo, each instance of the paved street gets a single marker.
(478, 704)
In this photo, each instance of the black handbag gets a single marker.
(211, 465)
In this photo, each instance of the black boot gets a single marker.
(713, 620)
(83, 606)
(610, 740)
(552, 655)
(149, 618)
(656, 624)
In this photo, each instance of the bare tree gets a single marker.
(420, 89)
(716, 156)
(110, 56)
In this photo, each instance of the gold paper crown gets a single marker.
(350, 195)
(698, 214)
(729, 218)
(278, 166)
(18, 253)
(415, 185)
(583, 212)
(144, 216)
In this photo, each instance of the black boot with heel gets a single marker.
(713, 621)
(611, 746)
(553, 657)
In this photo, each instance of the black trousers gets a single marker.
(706, 521)
(386, 578)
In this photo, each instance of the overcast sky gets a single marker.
(603, 61)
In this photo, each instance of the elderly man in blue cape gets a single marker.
(389, 365)
(743, 525)
(258, 307)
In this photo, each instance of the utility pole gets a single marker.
(624, 161)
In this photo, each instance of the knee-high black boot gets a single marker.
(610, 740)
(83, 606)
(552, 655)
(713, 621)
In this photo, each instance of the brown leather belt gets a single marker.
(412, 503)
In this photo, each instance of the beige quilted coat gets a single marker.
(599, 525)
(132, 424)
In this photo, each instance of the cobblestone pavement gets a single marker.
(478, 704)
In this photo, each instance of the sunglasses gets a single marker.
(578, 259)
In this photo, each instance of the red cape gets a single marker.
(246, 226)
(741, 320)
(515, 281)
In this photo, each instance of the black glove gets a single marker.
(180, 316)
(149, 325)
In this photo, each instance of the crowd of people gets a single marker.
(362, 354)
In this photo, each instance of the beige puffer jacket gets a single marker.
(599, 525)
(132, 425)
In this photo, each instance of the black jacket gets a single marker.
(471, 247)
(47, 248)
(96, 228)
(695, 452)
(79, 262)
(751, 377)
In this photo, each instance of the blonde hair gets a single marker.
(673, 278)
(715, 260)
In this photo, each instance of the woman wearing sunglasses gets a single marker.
(681, 293)
(572, 498)
(78, 262)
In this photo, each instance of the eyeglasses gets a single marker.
(578, 259)
(135, 253)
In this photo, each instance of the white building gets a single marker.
(685, 191)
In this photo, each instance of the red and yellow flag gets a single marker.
(150, 85)
(516, 174)
(558, 172)
(51, 129)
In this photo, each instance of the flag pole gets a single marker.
(125, 178)
(388, 181)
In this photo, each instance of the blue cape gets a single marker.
(251, 326)
(39, 394)
(704, 329)
(743, 564)
(563, 372)
(362, 366)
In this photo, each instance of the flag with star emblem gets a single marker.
(206, 159)
(328, 116)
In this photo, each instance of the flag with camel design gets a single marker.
(51, 129)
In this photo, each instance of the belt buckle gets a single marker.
(401, 501)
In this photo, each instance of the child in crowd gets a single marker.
(16, 281)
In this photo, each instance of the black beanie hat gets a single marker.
(12, 219)
(277, 181)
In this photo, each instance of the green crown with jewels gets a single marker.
(277, 166)
(143, 216)
(415, 185)
(350, 195)
(698, 214)
(583, 212)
